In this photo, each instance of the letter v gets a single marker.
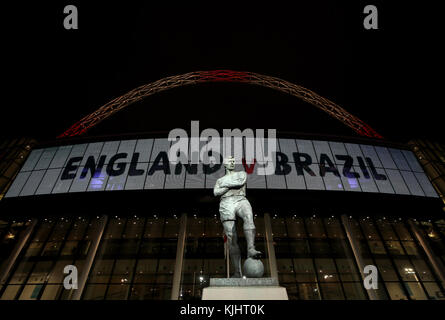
(249, 169)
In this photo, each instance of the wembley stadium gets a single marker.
(108, 201)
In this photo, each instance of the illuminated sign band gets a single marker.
(144, 164)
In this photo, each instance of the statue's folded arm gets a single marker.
(237, 180)
(218, 190)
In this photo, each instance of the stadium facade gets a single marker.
(138, 227)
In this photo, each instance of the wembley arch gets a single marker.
(197, 77)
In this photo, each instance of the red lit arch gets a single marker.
(196, 77)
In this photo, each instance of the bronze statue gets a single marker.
(232, 190)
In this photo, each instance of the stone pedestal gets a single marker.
(244, 289)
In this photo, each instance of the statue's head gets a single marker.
(229, 163)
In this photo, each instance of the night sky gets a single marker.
(390, 78)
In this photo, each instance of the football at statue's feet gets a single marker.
(253, 268)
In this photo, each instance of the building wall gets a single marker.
(136, 256)
(431, 156)
(13, 153)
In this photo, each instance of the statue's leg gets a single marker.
(245, 212)
(234, 251)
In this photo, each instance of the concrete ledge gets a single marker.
(245, 293)
(243, 282)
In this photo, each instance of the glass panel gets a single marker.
(299, 247)
(369, 229)
(434, 291)
(78, 229)
(142, 292)
(377, 247)
(146, 271)
(110, 248)
(402, 231)
(51, 249)
(123, 271)
(308, 291)
(281, 247)
(214, 228)
(215, 268)
(415, 291)
(364, 249)
(187, 292)
(150, 248)
(304, 270)
(326, 270)
(70, 248)
(340, 248)
(171, 228)
(441, 226)
(31, 292)
(101, 271)
(93, 227)
(423, 271)
(60, 230)
(395, 291)
(355, 226)
(40, 272)
(34, 249)
(354, 291)
(43, 230)
(347, 270)
(315, 228)
(118, 292)
(215, 246)
(10, 236)
(386, 270)
(57, 275)
(10, 292)
(331, 291)
(51, 292)
(162, 292)
(295, 227)
(128, 248)
(334, 229)
(285, 270)
(434, 239)
(153, 228)
(114, 229)
(21, 272)
(192, 270)
(411, 248)
(394, 248)
(380, 291)
(83, 248)
(320, 247)
(168, 249)
(405, 269)
(165, 271)
(278, 227)
(313, 180)
(134, 228)
(94, 292)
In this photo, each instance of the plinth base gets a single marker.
(244, 289)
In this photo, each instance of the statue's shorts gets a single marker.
(231, 207)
